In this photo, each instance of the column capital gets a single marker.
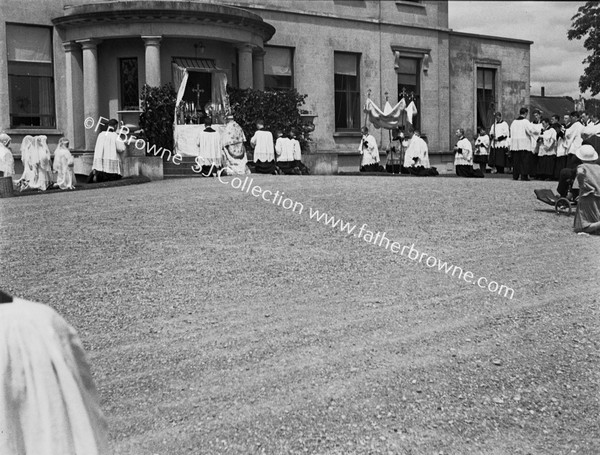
(244, 47)
(70, 46)
(259, 52)
(152, 40)
(89, 43)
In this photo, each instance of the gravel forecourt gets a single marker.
(219, 323)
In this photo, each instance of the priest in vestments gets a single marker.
(208, 161)
(234, 150)
(264, 150)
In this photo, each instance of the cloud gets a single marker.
(556, 62)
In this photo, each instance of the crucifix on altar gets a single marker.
(198, 91)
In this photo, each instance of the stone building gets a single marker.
(62, 61)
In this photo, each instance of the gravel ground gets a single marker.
(218, 323)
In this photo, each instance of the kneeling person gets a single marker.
(284, 147)
(463, 158)
(264, 151)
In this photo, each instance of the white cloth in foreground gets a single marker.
(63, 166)
(7, 162)
(416, 148)
(262, 141)
(209, 148)
(106, 158)
(48, 401)
(369, 150)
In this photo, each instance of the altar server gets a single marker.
(499, 144)
(209, 159)
(521, 133)
(7, 162)
(284, 148)
(107, 161)
(48, 401)
(463, 157)
(416, 152)
(546, 151)
(63, 166)
(573, 140)
(264, 150)
(482, 147)
(369, 152)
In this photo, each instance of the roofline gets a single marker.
(490, 37)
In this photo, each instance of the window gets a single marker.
(30, 76)
(486, 96)
(130, 99)
(347, 91)
(409, 87)
(279, 71)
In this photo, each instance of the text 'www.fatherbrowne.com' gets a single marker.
(380, 239)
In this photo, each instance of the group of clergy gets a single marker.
(416, 154)
(539, 149)
(40, 172)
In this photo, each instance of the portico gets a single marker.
(104, 42)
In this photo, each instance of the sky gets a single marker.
(556, 62)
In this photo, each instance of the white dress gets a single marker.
(7, 162)
(48, 400)
(40, 157)
(63, 166)
(27, 148)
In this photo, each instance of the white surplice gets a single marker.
(264, 150)
(106, 153)
(209, 148)
(416, 148)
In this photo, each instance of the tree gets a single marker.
(587, 22)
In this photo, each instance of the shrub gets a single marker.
(158, 111)
(278, 108)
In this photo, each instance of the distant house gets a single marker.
(550, 105)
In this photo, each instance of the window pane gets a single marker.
(278, 61)
(129, 84)
(489, 79)
(29, 69)
(479, 78)
(407, 65)
(345, 64)
(407, 79)
(29, 43)
(278, 82)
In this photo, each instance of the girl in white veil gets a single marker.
(63, 166)
(7, 162)
(43, 169)
(27, 148)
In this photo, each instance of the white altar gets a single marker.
(186, 138)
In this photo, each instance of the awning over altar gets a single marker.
(389, 118)
(219, 100)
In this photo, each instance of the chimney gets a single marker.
(543, 91)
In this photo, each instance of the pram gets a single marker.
(562, 205)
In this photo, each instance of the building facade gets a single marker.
(62, 61)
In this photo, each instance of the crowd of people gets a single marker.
(40, 171)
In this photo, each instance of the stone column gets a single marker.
(74, 79)
(90, 88)
(152, 44)
(258, 69)
(245, 66)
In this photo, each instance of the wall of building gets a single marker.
(511, 58)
